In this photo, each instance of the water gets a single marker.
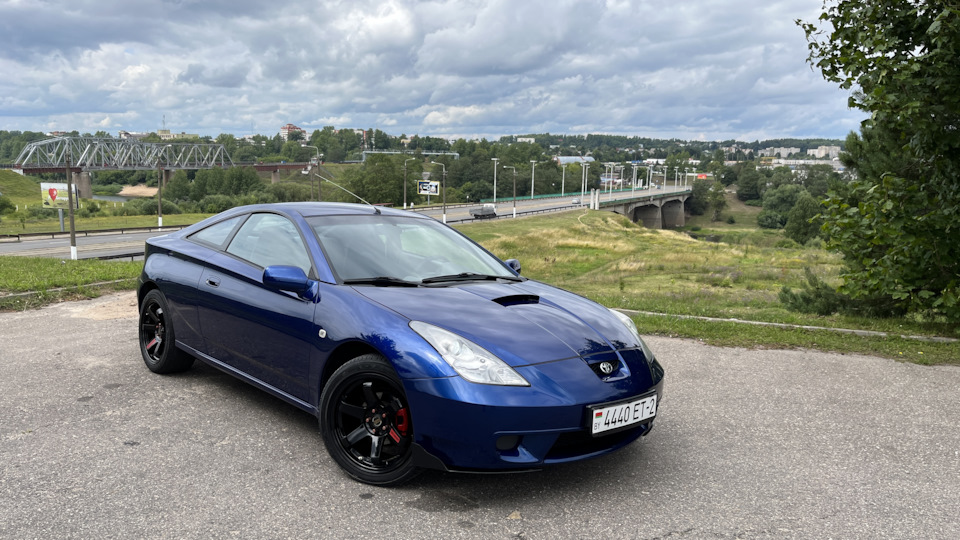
(110, 198)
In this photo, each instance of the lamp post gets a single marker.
(494, 160)
(583, 182)
(443, 188)
(533, 170)
(514, 189)
(160, 187)
(70, 201)
(563, 177)
(405, 181)
(317, 150)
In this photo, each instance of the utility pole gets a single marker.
(70, 201)
(495, 160)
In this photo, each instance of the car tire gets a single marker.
(157, 341)
(365, 422)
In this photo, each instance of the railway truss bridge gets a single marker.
(83, 155)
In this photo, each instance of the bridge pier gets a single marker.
(672, 214)
(84, 187)
(275, 176)
(650, 215)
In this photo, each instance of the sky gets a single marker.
(692, 69)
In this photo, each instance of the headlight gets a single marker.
(471, 361)
(628, 322)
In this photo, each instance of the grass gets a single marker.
(19, 189)
(43, 276)
(9, 226)
(605, 257)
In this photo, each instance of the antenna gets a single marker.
(375, 209)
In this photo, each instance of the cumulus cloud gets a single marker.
(440, 67)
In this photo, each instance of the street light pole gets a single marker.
(70, 201)
(317, 150)
(533, 170)
(494, 160)
(583, 182)
(563, 178)
(514, 189)
(443, 187)
(405, 181)
(160, 186)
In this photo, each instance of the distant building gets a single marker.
(779, 152)
(165, 135)
(563, 160)
(56, 133)
(799, 163)
(286, 130)
(530, 140)
(127, 135)
(824, 152)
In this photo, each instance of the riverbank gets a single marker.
(139, 190)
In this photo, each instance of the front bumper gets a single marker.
(462, 426)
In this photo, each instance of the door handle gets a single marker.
(213, 282)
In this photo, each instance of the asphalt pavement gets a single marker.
(747, 444)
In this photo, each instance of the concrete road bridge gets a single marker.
(660, 208)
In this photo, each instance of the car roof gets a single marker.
(310, 209)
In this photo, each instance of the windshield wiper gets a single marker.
(468, 276)
(381, 281)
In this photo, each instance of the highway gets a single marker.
(114, 245)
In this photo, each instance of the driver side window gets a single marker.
(268, 240)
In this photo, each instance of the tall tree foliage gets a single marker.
(898, 226)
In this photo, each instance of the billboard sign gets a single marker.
(55, 195)
(426, 187)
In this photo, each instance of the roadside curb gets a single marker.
(865, 333)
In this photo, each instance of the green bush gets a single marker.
(731, 220)
(214, 204)
(816, 297)
(786, 243)
(819, 298)
(769, 219)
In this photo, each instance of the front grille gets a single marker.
(581, 443)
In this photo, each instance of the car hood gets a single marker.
(520, 322)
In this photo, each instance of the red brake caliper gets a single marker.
(402, 421)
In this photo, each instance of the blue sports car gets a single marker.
(414, 346)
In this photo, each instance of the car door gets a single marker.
(266, 334)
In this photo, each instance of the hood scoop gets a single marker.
(517, 300)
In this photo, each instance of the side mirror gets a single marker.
(514, 265)
(292, 279)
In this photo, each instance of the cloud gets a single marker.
(439, 67)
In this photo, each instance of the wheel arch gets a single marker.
(343, 354)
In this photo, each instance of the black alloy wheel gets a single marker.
(160, 354)
(366, 423)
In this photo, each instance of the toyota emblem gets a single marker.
(606, 368)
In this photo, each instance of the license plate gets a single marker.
(605, 417)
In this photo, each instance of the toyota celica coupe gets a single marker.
(413, 346)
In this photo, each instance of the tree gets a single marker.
(898, 226)
(178, 189)
(803, 221)
(718, 200)
(749, 183)
(699, 200)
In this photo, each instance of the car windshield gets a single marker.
(379, 249)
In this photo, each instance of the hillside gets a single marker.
(19, 189)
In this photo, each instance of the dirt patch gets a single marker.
(121, 305)
(138, 190)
